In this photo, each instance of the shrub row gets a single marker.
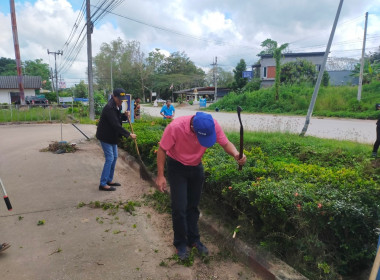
(313, 202)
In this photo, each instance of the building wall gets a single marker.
(270, 63)
(339, 78)
(5, 96)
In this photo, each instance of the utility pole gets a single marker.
(111, 78)
(52, 79)
(17, 51)
(90, 28)
(362, 60)
(56, 74)
(318, 83)
(215, 65)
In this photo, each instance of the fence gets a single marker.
(45, 113)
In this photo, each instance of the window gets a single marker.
(317, 67)
(265, 72)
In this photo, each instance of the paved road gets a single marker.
(92, 244)
(363, 131)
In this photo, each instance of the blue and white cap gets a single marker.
(204, 128)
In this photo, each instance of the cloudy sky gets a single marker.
(203, 29)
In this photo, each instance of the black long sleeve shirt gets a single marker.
(110, 127)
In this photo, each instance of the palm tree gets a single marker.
(271, 48)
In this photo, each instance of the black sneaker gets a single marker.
(202, 249)
(374, 154)
(103, 188)
(182, 253)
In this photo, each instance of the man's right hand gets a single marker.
(133, 136)
(161, 183)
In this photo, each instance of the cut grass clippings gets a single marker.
(60, 148)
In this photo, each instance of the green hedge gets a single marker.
(313, 202)
(149, 132)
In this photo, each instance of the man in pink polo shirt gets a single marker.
(184, 142)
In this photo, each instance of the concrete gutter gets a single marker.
(262, 263)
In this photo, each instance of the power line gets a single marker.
(96, 16)
(218, 42)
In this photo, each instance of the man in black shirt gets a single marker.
(109, 131)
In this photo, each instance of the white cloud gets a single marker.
(204, 29)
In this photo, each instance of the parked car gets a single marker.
(36, 100)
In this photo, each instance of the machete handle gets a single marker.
(239, 109)
(8, 203)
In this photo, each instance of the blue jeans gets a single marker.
(185, 190)
(377, 143)
(110, 153)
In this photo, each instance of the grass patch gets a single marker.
(295, 99)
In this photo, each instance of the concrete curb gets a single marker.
(261, 262)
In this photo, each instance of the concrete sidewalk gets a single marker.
(82, 243)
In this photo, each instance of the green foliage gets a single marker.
(81, 90)
(224, 78)
(133, 71)
(272, 48)
(311, 201)
(294, 99)
(252, 85)
(301, 197)
(8, 67)
(325, 79)
(159, 201)
(239, 82)
(29, 67)
(298, 72)
(149, 131)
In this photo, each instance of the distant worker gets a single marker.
(377, 143)
(137, 108)
(168, 110)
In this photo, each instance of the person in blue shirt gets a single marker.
(168, 110)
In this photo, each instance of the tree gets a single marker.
(81, 90)
(325, 79)
(126, 59)
(8, 67)
(297, 72)
(223, 78)
(239, 82)
(38, 68)
(30, 67)
(370, 71)
(272, 48)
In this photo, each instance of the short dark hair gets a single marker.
(168, 101)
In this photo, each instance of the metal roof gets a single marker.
(30, 82)
(297, 54)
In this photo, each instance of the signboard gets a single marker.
(154, 93)
(81, 99)
(65, 99)
(62, 84)
(127, 105)
(247, 74)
